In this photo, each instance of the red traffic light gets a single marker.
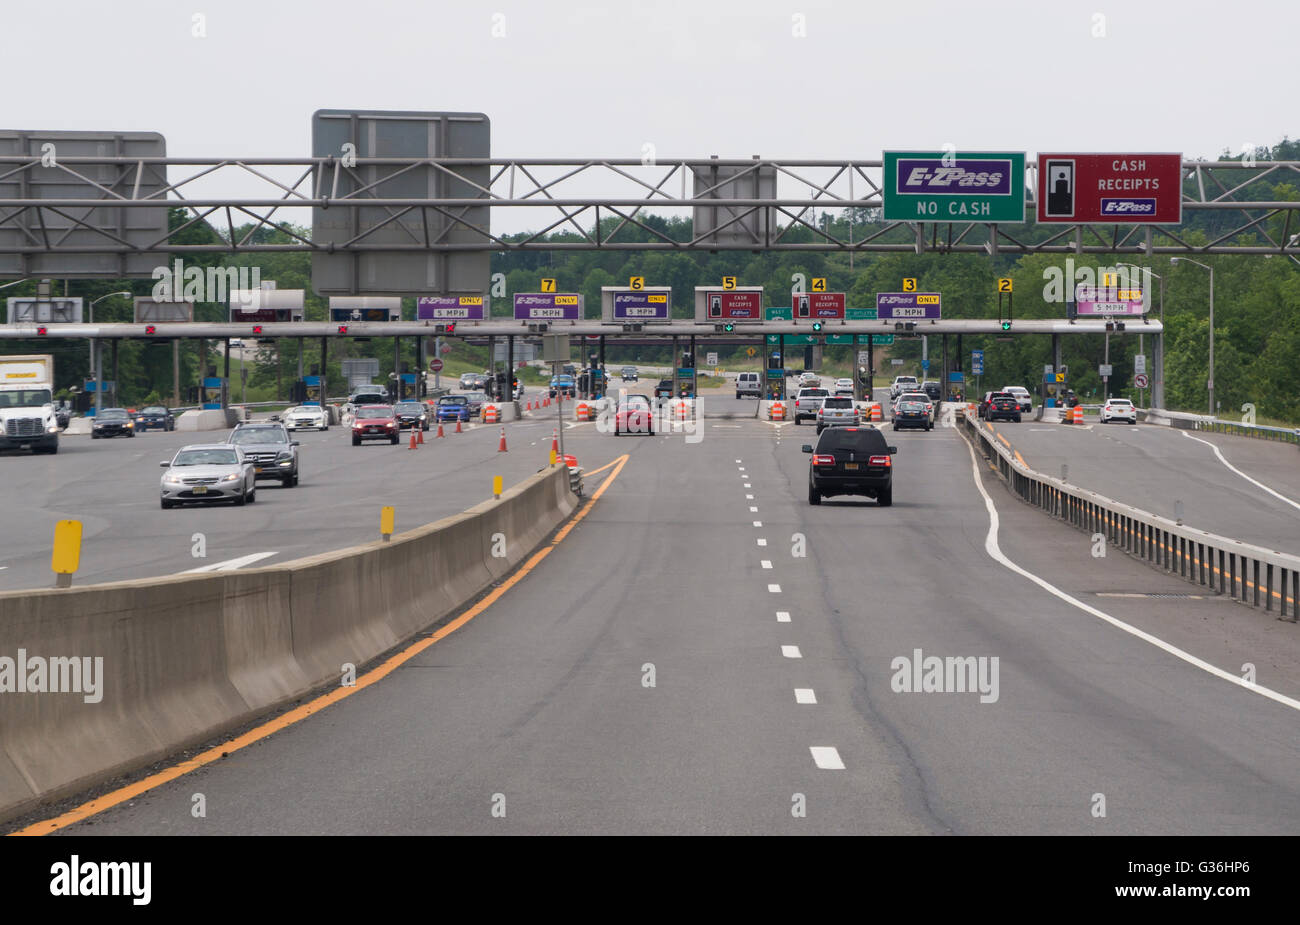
(257, 329)
(343, 329)
(42, 330)
(451, 328)
(150, 329)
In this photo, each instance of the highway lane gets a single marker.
(771, 669)
(112, 487)
(1152, 466)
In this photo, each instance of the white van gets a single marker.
(749, 384)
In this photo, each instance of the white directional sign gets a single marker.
(895, 362)
(1104, 370)
(863, 358)
(1140, 363)
(711, 360)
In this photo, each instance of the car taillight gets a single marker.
(879, 461)
(822, 460)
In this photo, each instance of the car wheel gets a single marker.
(1017, 419)
(94, 436)
(242, 499)
(814, 496)
(166, 505)
(820, 428)
(929, 427)
(252, 497)
(356, 441)
(886, 497)
(394, 440)
(737, 396)
(131, 434)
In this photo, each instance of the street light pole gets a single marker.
(1156, 370)
(94, 351)
(1210, 383)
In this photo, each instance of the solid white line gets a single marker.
(766, 563)
(774, 589)
(995, 552)
(231, 563)
(783, 616)
(804, 695)
(827, 757)
(791, 652)
(1257, 484)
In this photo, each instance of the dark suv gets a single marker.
(851, 461)
(1001, 405)
(271, 450)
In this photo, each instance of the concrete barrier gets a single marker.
(188, 657)
(212, 419)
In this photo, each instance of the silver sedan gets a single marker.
(208, 472)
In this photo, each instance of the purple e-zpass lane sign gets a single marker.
(908, 305)
(1093, 302)
(641, 306)
(548, 306)
(451, 308)
(962, 175)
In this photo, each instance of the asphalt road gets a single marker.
(674, 666)
(1152, 466)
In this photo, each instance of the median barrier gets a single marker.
(209, 419)
(189, 657)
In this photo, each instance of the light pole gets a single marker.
(94, 349)
(1157, 372)
(1203, 266)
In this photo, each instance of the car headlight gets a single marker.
(233, 477)
(172, 480)
(424, 417)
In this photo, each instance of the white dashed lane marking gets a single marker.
(827, 757)
(758, 523)
(775, 589)
(762, 542)
(766, 563)
(804, 695)
(791, 652)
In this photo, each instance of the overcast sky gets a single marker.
(692, 77)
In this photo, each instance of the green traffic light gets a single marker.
(728, 328)
(1006, 325)
(817, 325)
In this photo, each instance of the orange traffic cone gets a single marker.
(420, 432)
(555, 441)
(502, 447)
(440, 433)
(458, 430)
(412, 446)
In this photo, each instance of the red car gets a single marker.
(635, 415)
(375, 422)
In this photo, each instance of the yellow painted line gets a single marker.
(1020, 459)
(299, 713)
(1005, 442)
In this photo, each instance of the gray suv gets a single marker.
(271, 450)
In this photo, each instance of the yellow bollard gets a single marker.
(496, 486)
(387, 520)
(553, 456)
(66, 555)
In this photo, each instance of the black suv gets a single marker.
(931, 387)
(271, 450)
(851, 461)
(1002, 405)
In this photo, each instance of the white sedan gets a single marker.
(306, 416)
(1118, 409)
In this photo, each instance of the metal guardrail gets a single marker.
(1259, 431)
(1250, 574)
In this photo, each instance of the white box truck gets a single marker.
(27, 415)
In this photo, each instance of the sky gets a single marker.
(693, 78)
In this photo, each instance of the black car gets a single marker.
(629, 374)
(155, 417)
(112, 422)
(931, 387)
(664, 389)
(851, 461)
(911, 414)
(1002, 405)
(412, 414)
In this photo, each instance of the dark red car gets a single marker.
(375, 422)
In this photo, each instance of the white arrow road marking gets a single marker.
(827, 757)
(231, 564)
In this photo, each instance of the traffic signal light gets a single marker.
(42, 330)
(150, 329)
(1006, 325)
(449, 328)
(343, 329)
(257, 329)
(817, 326)
(728, 327)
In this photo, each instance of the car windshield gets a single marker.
(25, 398)
(1003, 395)
(210, 457)
(453, 400)
(838, 403)
(410, 407)
(375, 411)
(154, 409)
(246, 435)
(813, 393)
(1120, 402)
(636, 402)
(111, 414)
(857, 439)
(912, 406)
(367, 398)
(914, 396)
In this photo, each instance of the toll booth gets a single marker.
(406, 386)
(592, 383)
(214, 393)
(85, 400)
(313, 391)
(775, 388)
(684, 384)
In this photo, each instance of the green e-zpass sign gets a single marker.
(934, 186)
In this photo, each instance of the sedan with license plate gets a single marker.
(911, 413)
(916, 396)
(851, 461)
(206, 473)
(1002, 405)
(374, 422)
(453, 408)
(412, 414)
(154, 417)
(306, 416)
(635, 415)
(1118, 409)
(112, 422)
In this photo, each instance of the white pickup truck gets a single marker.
(27, 416)
(807, 402)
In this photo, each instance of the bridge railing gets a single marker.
(1260, 577)
(1186, 421)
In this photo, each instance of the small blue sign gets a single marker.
(977, 362)
(925, 366)
(956, 377)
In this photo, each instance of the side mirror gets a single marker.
(892, 450)
(293, 443)
(807, 447)
(165, 464)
